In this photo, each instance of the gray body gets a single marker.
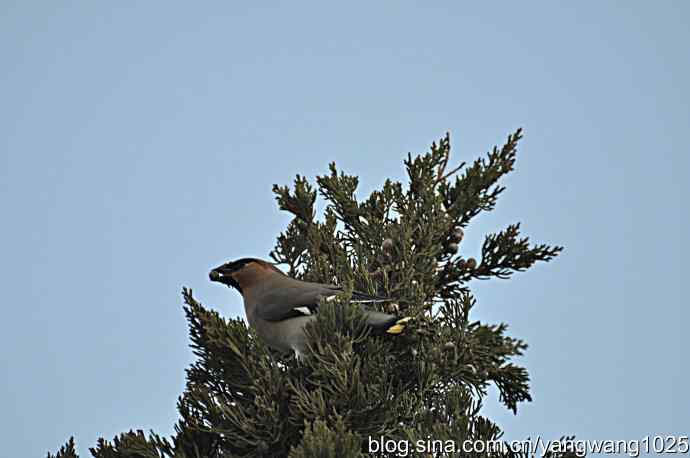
(280, 308)
(286, 335)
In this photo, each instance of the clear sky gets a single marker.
(139, 142)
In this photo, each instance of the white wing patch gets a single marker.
(303, 310)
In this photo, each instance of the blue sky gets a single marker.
(140, 142)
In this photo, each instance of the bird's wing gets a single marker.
(289, 300)
(302, 298)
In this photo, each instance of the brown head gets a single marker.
(243, 273)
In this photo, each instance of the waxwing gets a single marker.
(278, 307)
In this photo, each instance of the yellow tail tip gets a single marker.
(399, 326)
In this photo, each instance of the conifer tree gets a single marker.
(404, 241)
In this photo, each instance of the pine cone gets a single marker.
(457, 235)
(471, 264)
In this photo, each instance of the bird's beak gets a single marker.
(220, 274)
(223, 274)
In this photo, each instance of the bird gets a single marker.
(278, 307)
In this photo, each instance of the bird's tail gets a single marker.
(386, 323)
(399, 326)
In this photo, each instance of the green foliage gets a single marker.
(320, 441)
(403, 241)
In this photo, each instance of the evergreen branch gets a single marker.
(339, 191)
(321, 441)
(476, 189)
(301, 203)
(134, 444)
(504, 253)
(66, 451)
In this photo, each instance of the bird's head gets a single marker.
(243, 273)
